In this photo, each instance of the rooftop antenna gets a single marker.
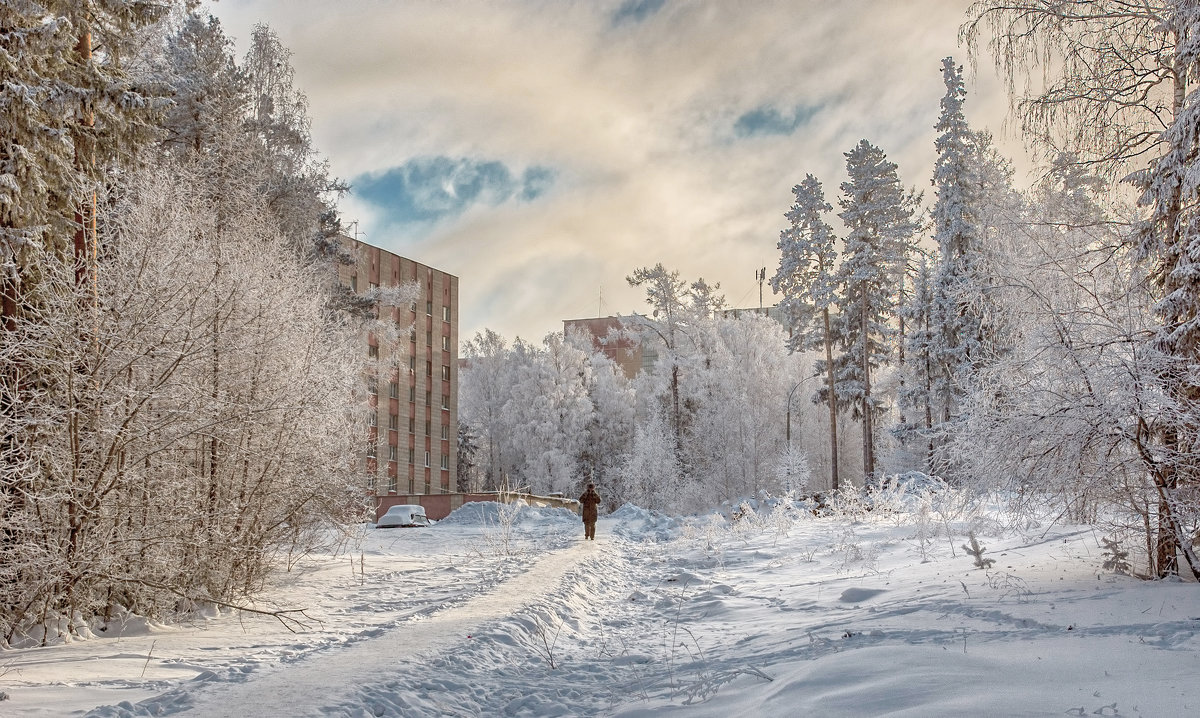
(354, 223)
(600, 304)
(761, 276)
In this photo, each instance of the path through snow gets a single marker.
(320, 681)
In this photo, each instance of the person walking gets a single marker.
(589, 501)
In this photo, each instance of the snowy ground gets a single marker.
(823, 617)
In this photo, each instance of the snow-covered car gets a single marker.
(404, 515)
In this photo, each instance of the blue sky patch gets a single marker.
(768, 120)
(424, 190)
(635, 11)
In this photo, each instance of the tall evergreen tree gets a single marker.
(806, 280)
(879, 215)
(67, 116)
(956, 343)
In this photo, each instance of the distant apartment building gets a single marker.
(627, 350)
(623, 348)
(411, 443)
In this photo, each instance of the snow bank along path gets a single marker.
(307, 686)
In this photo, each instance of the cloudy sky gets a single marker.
(541, 150)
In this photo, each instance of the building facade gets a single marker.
(607, 336)
(412, 434)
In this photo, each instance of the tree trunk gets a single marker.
(833, 438)
(867, 420)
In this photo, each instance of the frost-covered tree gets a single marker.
(916, 398)
(483, 391)
(666, 294)
(548, 414)
(210, 94)
(107, 498)
(1058, 416)
(69, 113)
(1122, 74)
(610, 429)
(957, 342)
(879, 217)
(298, 188)
(806, 279)
(652, 474)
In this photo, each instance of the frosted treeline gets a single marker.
(179, 371)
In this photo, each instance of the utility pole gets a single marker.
(760, 275)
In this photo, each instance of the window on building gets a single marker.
(393, 390)
(428, 425)
(445, 372)
(427, 459)
(445, 431)
(373, 352)
(446, 402)
(371, 483)
(446, 344)
(412, 455)
(394, 422)
(429, 307)
(393, 453)
(412, 424)
(354, 282)
(445, 462)
(412, 335)
(412, 394)
(412, 365)
(392, 484)
(414, 306)
(445, 314)
(372, 419)
(371, 450)
(373, 285)
(428, 398)
(428, 368)
(372, 385)
(429, 338)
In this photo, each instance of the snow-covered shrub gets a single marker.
(975, 551)
(1116, 559)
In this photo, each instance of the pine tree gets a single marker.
(67, 116)
(879, 215)
(805, 278)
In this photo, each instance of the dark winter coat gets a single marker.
(590, 500)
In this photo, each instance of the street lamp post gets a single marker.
(789, 412)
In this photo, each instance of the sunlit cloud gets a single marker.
(542, 150)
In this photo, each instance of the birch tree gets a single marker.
(1120, 98)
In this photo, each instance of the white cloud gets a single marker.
(637, 120)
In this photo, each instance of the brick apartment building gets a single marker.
(625, 350)
(412, 438)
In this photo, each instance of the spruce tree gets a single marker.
(956, 343)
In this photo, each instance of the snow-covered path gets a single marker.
(323, 680)
(839, 616)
